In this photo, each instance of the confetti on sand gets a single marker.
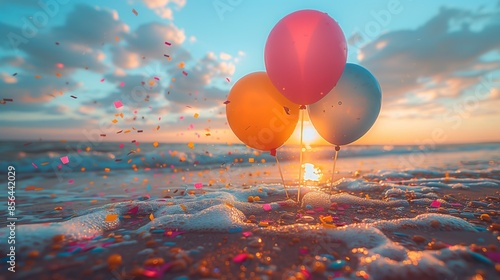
(198, 185)
(111, 217)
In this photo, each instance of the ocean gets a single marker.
(375, 204)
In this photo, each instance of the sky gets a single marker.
(64, 64)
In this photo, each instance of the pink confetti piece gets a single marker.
(102, 80)
(198, 185)
(59, 166)
(122, 84)
(133, 210)
(494, 256)
(227, 79)
(267, 207)
(435, 204)
(156, 78)
(191, 126)
(34, 165)
(64, 159)
(184, 73)
(135, 12)
(457, 205)
(168, 44)
(240, 258)
(303, 250)
(121, 146)
(71, 181)
(118, 104)
(247, 233)
(181, 117)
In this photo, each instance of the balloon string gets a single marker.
(337, 149)
(301, 138)
(281, 174)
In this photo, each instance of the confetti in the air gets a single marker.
(64, 159)
(118, 104)
(135, 12)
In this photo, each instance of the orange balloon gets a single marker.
(259, 114)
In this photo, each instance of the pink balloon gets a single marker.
(305, 55)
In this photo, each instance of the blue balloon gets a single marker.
(350, 109)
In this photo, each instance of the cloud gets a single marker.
(196, 88)
(445, 57)
(147, 44)
(46, 63)
(162, 7)
(8, 78)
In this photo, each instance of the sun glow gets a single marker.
(310, 135)
(312, 173)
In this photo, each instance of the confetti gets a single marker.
(118, 104)
(267, 207)
(287, 110)
(183, 207)
(111, 217)
(102, 80)
(227, 79)
(114, 121)
(240, 258)
(15, 74)
(72, 96)
(103, 135)
(168, 44)
(34, 165)
(64, 159)
(133, 210)
(181, 65)
(184, 73)
(71, 181)
(198, 185)
(166, 55)
(155, 144)
(227, 102)
(435, 204)
(122, 84)
(196, 115)
(135, 12)
(38, 77)
(60, 65)
(191, 145)
(151, 216)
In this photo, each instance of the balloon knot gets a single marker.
(272, 152)
(337, 148)
(302, 107)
